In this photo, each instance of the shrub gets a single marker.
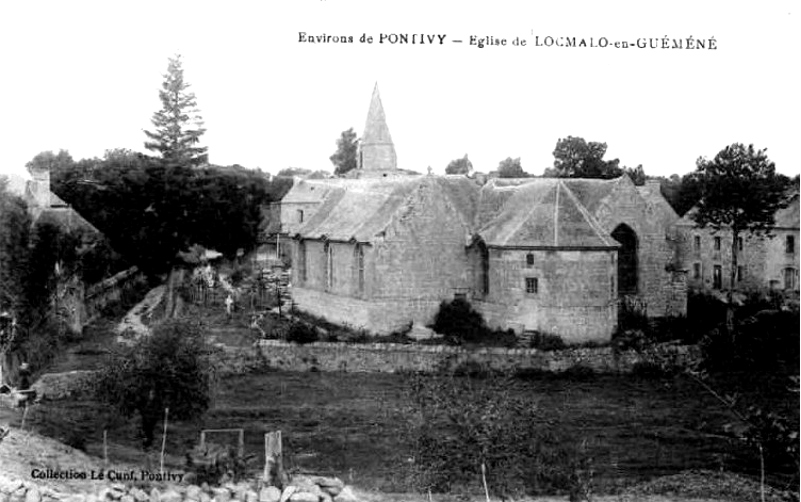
(632, 314)
(462, 426)
(459, 322)
(547, 341)
(300, 332)
(472, 369)
(580, 373)
(168, 369)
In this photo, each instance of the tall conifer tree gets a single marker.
(178, 125)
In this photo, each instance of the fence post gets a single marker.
(273, 459)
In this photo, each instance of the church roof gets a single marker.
(361, 209)
(376, 131)
(539, 213)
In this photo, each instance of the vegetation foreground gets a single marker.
(624, 429)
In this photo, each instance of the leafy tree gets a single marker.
(576, 158)
(56, 163)
(345, 158)
(636, 174)
(289, 172)
(459, 166)
(168, 369)
(15, 224)
(511, 168)
(681, 192)
(740, 192)
(178, 125)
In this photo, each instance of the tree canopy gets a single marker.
(345, 158)
(178, 125)
(576, 158)
(511, 168)
(150, 211)
(459, 166)
(168, 369)
(739, 190)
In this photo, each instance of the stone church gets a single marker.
(381, 249)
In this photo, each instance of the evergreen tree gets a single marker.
(345, 157)
(178, 125)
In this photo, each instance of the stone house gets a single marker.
(764, 262)
(381, 250)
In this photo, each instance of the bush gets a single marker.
(300, 332)
(462, 424)
(547, 341)
(459, 322)
(168, 369)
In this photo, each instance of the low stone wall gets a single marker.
(300, 489)
(391, 358)
(62, 385)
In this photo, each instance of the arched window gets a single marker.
(328, 257)
(302, 262)
(358, 264)
(626, 260)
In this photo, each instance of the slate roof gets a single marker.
(788, 216)
(539, 213)
(361, 209)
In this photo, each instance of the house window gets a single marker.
(532, 286)
(717, 277)
(302, 262)
(717, 243)
(696, 270)
(529, 260)
(739, 243)
(789, 244)
(300, 215)
(739, 273)
(789, 278)
(697, 243)
(329, 266)
(612, 286)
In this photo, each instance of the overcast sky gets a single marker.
(85, 77)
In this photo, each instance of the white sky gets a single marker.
(85, 77)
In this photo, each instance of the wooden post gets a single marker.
(105, 447)
(273, 459)
(164, 440)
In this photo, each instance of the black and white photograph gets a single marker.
(362, 251)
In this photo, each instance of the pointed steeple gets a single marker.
(377, 152)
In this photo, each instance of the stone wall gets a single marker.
(655, 253)
(299, 489)
(575, 298)
(110, 290)
(393, 358)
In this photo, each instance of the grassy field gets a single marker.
(353, 425)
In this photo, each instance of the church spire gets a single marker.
(377, 153)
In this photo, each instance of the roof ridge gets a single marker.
(587, 216)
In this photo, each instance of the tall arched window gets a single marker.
(358, 264)
(627, 262)
(302, 262)
(329, 266)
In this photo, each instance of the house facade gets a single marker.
(764, 262)
(381, 250)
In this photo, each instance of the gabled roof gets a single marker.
(539, 213)
(787, 217)
(361, 209)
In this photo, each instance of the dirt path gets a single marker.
(131, 328)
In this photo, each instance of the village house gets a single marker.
(382, 249)
(764, 262)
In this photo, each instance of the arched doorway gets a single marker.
(626, 260)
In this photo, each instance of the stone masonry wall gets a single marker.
(762, 258)
(575, 298)
(393, 358)
(655, 253)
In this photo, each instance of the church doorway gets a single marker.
(626, 260)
